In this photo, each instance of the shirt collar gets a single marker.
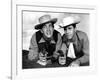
(42, 40)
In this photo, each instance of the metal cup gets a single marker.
(62, 60)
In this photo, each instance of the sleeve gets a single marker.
(64, 48)
(33, 49)
(59, 43)
(85, 50)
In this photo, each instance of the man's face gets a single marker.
(48, 30)
(69, 31)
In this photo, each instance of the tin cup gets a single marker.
(62, 60)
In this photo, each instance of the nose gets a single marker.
(48, 29)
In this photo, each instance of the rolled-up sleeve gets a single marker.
(85, 50)
(33, 49)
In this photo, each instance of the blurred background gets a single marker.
(30, 19)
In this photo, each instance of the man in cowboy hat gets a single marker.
(75, 44)
(46, 40)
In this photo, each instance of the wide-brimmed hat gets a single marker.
(67, 21)
(45, 19)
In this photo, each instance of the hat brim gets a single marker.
(63, 26)
(39, 26)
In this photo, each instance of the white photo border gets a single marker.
(19, 73)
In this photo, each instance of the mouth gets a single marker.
(48, 34)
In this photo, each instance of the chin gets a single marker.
(69, 37)
(48, 36)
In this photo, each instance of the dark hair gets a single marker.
(74, 25)
(52, 25)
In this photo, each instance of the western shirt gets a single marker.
(81, 45)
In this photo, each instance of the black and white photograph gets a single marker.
(55, 39)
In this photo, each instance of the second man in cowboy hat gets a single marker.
(46, 41)
(75, 43)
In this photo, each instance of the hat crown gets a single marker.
(44, 18)
(68, 20)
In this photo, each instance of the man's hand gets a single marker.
(75, 64)
(42, 57)
(59, 52)
(55, 55)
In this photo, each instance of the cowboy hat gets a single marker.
(67, 21)
(45, 19)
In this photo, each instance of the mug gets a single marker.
(62, 60)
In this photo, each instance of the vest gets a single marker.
(46, 46)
